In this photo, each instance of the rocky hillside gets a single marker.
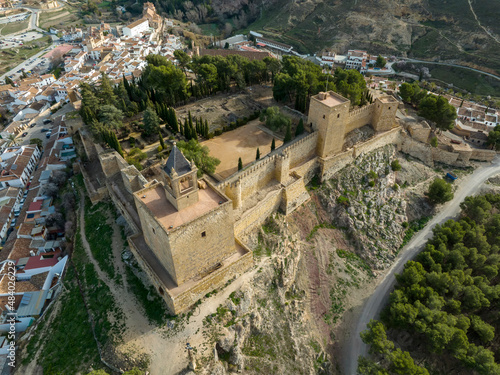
(465, 31)
(313, 267)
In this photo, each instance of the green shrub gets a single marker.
(343, 201)
(395, 165)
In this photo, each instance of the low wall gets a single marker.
(184, 300)
(294, 195)
(214, 280)
(94, 195)
(483, 155)
(153, 278)
(418, 150)
(333, 164)
(445, 157)
(379, 140)
(307, 170)
(257, 215)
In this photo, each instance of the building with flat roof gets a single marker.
(136, 28)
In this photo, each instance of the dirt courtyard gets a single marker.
(239, 143)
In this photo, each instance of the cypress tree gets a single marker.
(186, 129)
(206, 128)
(126, 85)
(190, 119)
(257, 154)
(174, 120)
(273, 145)
(118, 146)
(162, 142)
(193, 133)
(240, 164)
(300, 128)
(288, 134)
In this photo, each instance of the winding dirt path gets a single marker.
(481, 26)
(165, 346)
(136, 323)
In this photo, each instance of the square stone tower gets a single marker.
(328, 114)
(189, 229)
(384, 115)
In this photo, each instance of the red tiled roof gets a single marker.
(39, 261)
(35, 206)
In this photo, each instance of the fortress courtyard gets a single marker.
(240, 143)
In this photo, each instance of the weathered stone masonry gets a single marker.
(186, 234)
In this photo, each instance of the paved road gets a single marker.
(354, 346)
(455, 65)
(28, 64)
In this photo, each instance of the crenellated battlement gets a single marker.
(362, 111)
(293, 146)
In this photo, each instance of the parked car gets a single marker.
(24, 134)
(48, 134)
(47, 121)
(33, 125)
(44, 130)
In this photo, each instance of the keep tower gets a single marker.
(328, 114)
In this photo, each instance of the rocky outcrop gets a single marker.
(371, 201)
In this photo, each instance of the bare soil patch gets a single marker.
(239, 143)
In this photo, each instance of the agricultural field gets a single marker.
(66, 16)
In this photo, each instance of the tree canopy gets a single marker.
(275, 120)
(448, 298)
(194, 151)
(299, 79)
(434, 108)
(494, 138)
(440, 191)
(381, 62)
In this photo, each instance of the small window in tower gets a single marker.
(389, 107)
(154, 231)
(324, 116)
(338, 116)
(203, 234)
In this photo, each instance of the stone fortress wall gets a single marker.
(280, 178)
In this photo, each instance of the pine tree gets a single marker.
(288, 134)
(273, 145)
(300, 128)
(257, 154)
(240, 164)
(162, 142)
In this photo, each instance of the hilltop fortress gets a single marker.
(187, 231)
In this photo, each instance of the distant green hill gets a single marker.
(430, 29)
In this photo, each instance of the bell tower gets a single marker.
(180, 180)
